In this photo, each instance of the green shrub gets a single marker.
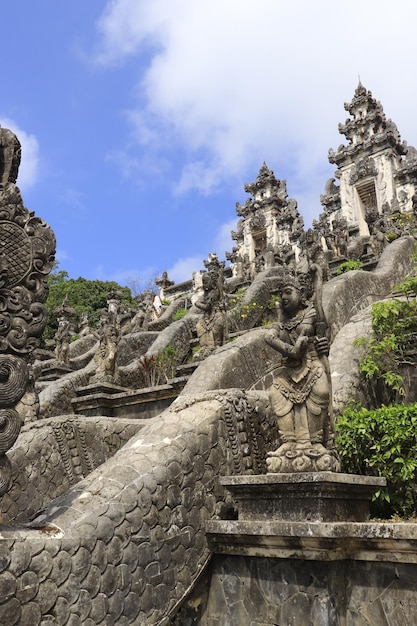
(348, 266)
(382, 442)
(160, 368)
(178, 315)
(392, 346)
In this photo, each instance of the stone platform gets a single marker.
(310, 496)
(113, 401)
(291, 558)
(318, 515)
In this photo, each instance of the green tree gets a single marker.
(89, 296)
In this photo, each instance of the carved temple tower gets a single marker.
(377, 172)
(270, 225)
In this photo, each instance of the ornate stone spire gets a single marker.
(266, 184)
(376, 170)
(367, 130)
(269, 221)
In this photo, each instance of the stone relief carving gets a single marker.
(11, 153)
(84, 325)
(364, 168)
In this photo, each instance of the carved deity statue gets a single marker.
(300, 395)
(211, 327)
(106, 355)
(62, 337)
(378, 240)
(84, 325)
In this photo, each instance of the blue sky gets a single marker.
(141, 120)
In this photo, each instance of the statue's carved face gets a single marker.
(290, 299)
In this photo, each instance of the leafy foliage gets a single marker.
(393, 345)
(238, 311)
(84, 295)
(160, 368)
(348, 266)
(178, 315)
(271, 312)
(382, 442)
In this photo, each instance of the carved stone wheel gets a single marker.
(14, 376)
(5, 475)
(10, 424)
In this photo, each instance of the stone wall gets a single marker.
(267, 592)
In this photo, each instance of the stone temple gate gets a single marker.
(210, 495)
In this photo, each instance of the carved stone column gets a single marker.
(27, 249)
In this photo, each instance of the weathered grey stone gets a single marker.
(74, 620)
(27, 587)
(83, 606)
(5, 556)
(61, 610)
(10, 612)
(30, 615)
(92, 581)
(41, 564)
(321, 496)
(108, 580)
(46, 595)
(115, 605)
(49, 620)
(99, 607)
(70, 589)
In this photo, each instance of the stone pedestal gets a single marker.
(317, 515)
(302, 515)
(311, 496)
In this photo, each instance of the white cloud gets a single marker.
(198, 176)
(223, 241)
(125, 25)
(28, 170)
(236, 83)
(137, 280)
(183, 269)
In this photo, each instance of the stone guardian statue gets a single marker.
(300, 396)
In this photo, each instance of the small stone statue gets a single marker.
(62, 341)
(300, 395)
(163, 283)
(211, 328)
(84, 325)
(106, 355)
(378, 239)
